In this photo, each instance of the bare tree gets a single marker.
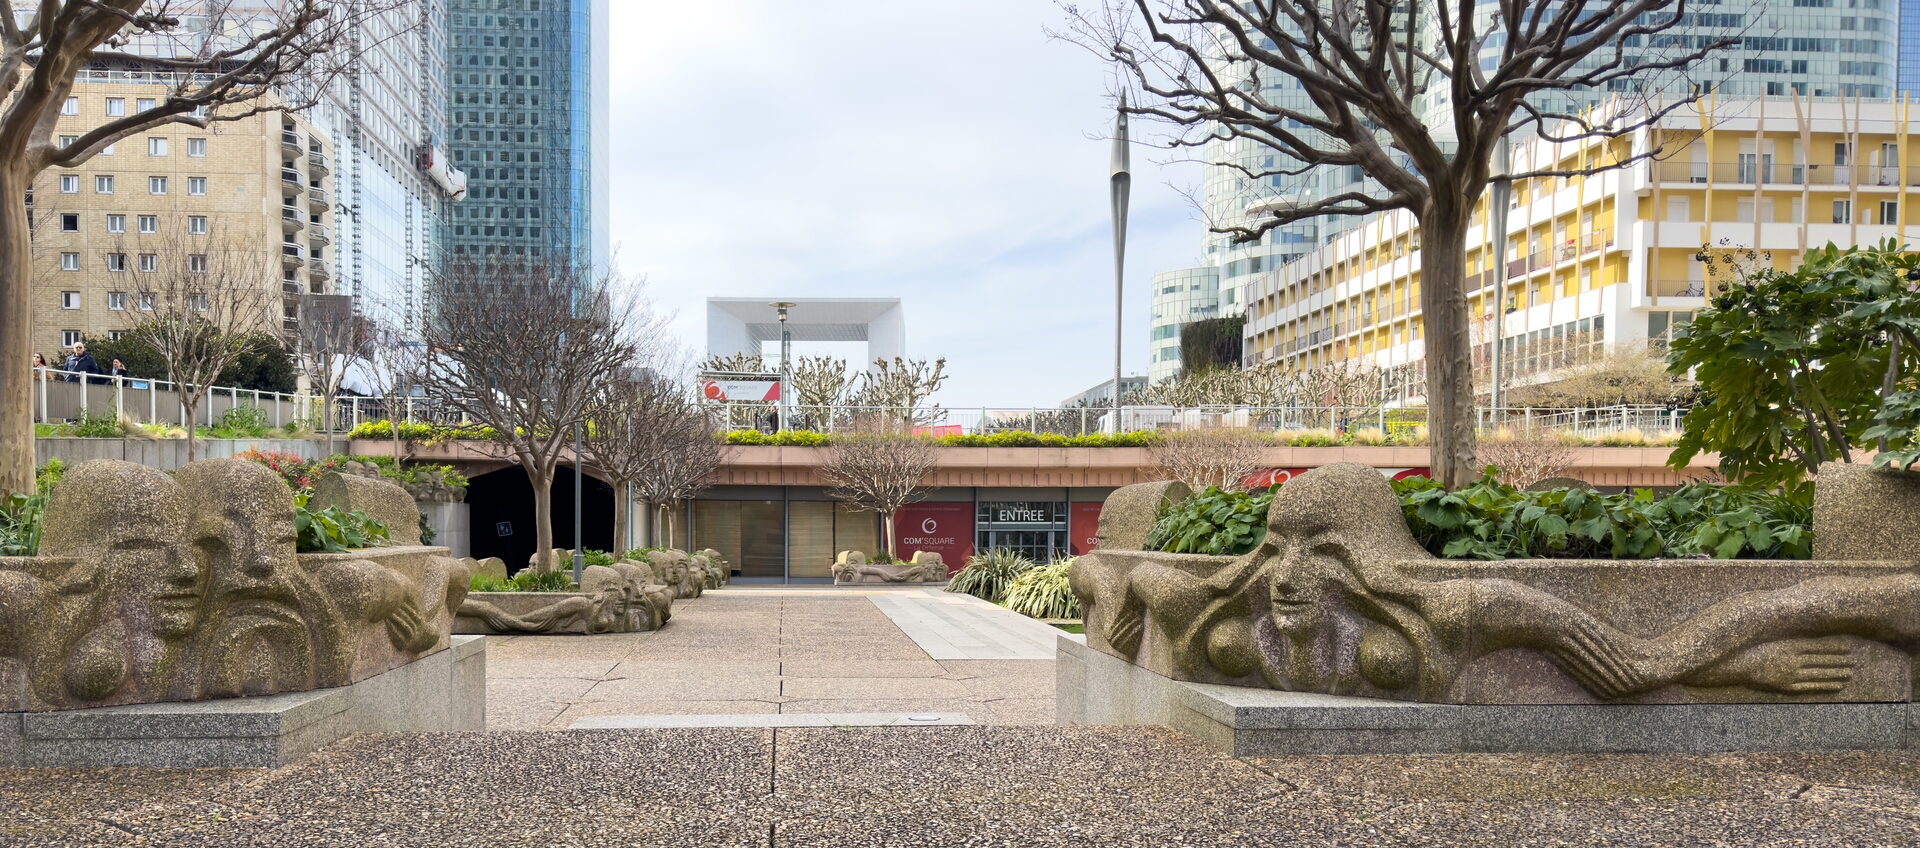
(527, 348)
(1626, 374)
(331, 339)
(1408, 93)
(390, 367)
(819, 383)
(223, 68)
(879, 468)
(200, 310)
(1212, 456)
(648, 435)
(1524, 459)
(897, 390)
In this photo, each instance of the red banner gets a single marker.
(1083, 522)
(945, 528)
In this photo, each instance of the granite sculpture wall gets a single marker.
(1340, 599)
(153, 587)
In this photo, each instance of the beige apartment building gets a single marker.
(1610, 259)
(164, 200)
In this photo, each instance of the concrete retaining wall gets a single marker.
(164, 454)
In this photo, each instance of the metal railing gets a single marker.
(1765, 172)
(1393, 424)
(61, 396)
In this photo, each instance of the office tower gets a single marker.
(529, 104)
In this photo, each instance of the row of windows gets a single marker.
(505, 118)
(505, 212)
(521, 136)
(104, 184)
(505, 79)
(117, 223)
(519, 61)
(532, 232)
(148, 262)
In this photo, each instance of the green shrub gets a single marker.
(1214, 522)
(21, 514)
(332, 531)
(91, 426)
(783, 438)
(1024, 439)
(391, 470)
(986, 576)
(1491, 520)
(526, 581)
(1043, 593)
(242, 422)
(593, 557)
(414, 431)
(640, 554)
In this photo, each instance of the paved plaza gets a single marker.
(780, 658)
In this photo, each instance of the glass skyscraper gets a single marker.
(528, 86)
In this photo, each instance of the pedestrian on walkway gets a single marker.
(80, 362)
(39, 366)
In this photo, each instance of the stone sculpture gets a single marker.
(494, 567)
(852, 567)
(143, 594)
(379, 499)
(1340, 599)
(675, 568)
(722, 572)
(623, 598)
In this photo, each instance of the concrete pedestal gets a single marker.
(1094, 688)
(452, 527)
(445, 691)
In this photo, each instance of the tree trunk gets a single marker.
(886, 543)
(666, 509)
(189, 409)
(1449, 342)
(16, 335)
(620, 494)
(326, 415)
(542, 482)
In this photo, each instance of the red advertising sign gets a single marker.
(767, 389)
(946, 528)
(1083, 522)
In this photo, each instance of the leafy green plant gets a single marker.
(91, 426)
(1491, 520)
(243, 422)
(414, 431)
(640, 554)
(1213, 522)
(332, 530)
(593, 557)
(1043, 592)
(783, 438)
(988, 575)
(427, 533)
(526, 581)
(1025, 439)
(1796, 368)
(21, 514)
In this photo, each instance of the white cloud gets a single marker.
(936, 152)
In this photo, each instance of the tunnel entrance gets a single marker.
(501, 506)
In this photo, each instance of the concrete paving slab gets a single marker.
(929, 719)
(792, 668)
(872, 687)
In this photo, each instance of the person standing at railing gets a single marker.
(80, 362)
(39, 366)
(118, 368)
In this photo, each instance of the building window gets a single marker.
(116, 107)
(69, 300)
(156, 147)
(116, 223)
(146, 302)
(69, 261)
(117, 301)
(196, 147)
(149, 223)
(69, 338)
(197, 225)
(144, 104)
(116, 334)
(69, 183)
(71, 106)
(156, 185)
(197, 303)
(1842, 212)
(103, 184)
(67, 141)
(70, 222)
(1889, 211)
(149, 262)
(116, 262)
(197, 186)
(197, 263)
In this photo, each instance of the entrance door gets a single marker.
(1041, 546)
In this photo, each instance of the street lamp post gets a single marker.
(786, 353)
(579, 548)
(1119, 184)
(1498, 200)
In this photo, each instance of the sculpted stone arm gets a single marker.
(1506, 614)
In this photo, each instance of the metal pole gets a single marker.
(579, 548)
(44, 378)
(1120, 184)
(1499, 198)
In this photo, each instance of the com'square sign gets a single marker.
(945, 528)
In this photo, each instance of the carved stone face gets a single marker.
(1301, 575)
(162, 570)
(130, 520)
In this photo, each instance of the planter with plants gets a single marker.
(856, 567)
(629, 594)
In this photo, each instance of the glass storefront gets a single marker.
(778, 540)
(1037, 529)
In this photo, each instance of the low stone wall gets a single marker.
(164, 454)
(443, 692)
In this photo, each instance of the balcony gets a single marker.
(319, 234)
(317, 198)
(292, 254)
(290, 287)
(1765, 172)
(1680, 288)
(291, 179)
(317, 164)
(319, 268)
(291, 219)
(290, 144)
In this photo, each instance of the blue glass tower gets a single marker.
(528, 85)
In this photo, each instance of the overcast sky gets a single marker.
(938, 151)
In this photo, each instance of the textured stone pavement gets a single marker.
(957, 786)
(742, 651)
